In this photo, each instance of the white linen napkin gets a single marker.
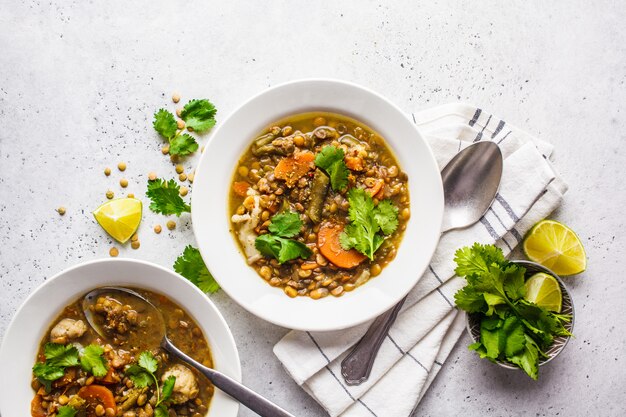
(428, 325)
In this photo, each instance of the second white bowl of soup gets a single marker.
(317, 205)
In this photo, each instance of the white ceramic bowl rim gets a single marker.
(21, 340)
(210, 205)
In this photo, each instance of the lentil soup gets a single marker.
(318, 204)
(78, 373)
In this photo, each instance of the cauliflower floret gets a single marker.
(66, 330)
(186, 386)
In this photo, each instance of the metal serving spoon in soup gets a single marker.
(152, 332)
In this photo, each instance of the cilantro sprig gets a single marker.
(190, 265)
(512, 329)
(369, 223)
(165, 197)
(143, 374)
(277, 244)
(330, 160)
(58, 357)
(92, 361)
(199, 116)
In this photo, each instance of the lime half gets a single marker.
(556, 247)
(545, 291)
(119, 218)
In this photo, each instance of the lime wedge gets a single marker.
(119, 218)
(556, 247)
(544, 290)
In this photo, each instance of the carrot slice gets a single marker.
(330, 246)
(292, 169)
(354, 163)
(374, 189)
(97, 394)
(36, 409)
(241, 188)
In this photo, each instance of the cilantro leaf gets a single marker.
(470, 300)
(166, 198)
(161, 411)
(66, 411)
(528, 358)
(168, 388)
(148, 362)
(140, 377)
(386, 215)
(191, 265)
(285, 224)
(61, 355)
(199, 115)
(268, 245)
(367, 220)
(58, 357)
(92, 360)
(182, 145)
(164, 123)
(330, 160)
(280, 248)
(47, 373)
(292, 249)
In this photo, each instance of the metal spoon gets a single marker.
(470, 183)
(241, 393)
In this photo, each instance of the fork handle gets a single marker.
(357, 366)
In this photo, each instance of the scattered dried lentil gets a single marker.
(157, 229)
(61, 210)
(171, 224)
(124, 183)
(107, 171)
(121, 166)
(179, 169)
(110, 194)
(113, 252)
(184, 191)
(176, 97)
(152, 176)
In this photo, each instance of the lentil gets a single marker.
(110, 194)
(171, 224)
(61, 210)
(107, 171)
(121, 166)
(157, 229)
(152, 176)
(124, 183)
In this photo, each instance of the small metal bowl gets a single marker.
(473, 320)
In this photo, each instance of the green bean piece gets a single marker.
(319, 188)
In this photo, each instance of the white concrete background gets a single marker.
(79, 81)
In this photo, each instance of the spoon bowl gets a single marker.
(470, 183)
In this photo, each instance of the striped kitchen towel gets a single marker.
(428, 326)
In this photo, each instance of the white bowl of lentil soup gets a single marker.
(54, 363)
(317, 205)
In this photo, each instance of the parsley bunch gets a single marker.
(330, 160)
(277, 243)
(369, 223)
(512, 329)
(199, 116)
(143, 374)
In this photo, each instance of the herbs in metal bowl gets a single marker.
(508, 329)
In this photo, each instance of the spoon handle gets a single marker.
(356, 367)
(238, 391)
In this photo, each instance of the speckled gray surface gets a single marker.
(79, 81)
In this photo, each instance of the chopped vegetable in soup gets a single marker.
(79, 373)
(319, 204)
